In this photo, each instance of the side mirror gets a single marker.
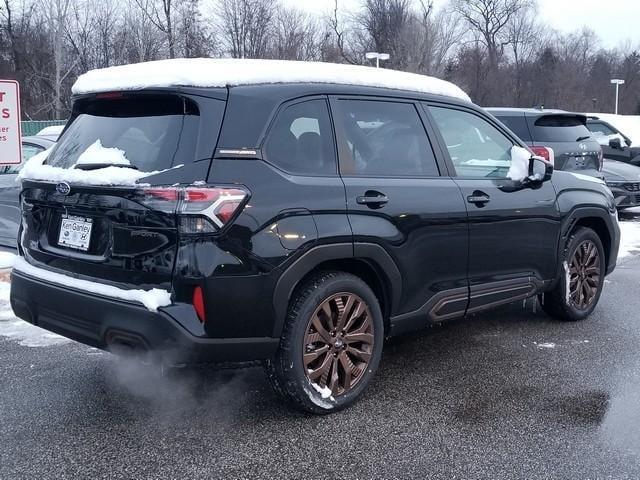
(615, 143)
(539, 170)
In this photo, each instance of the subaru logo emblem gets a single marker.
(63, 188)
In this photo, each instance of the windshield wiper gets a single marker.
(579, 139)
(96, 166)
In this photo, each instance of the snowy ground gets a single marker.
(30, 336)
(629, 239)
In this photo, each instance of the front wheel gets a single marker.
(331, 344)
(577, 292)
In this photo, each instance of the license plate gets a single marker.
(75, 232)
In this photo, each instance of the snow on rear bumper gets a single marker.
(151, 299)
(174, 332)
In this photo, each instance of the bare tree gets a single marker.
(524, 34)
(387, 23)
(439, 33)
(160, 13)
(143, 42)
(490, 19)
(245, 26)
(335, 43)
(294, 36)
(56, 15)
(192, 37)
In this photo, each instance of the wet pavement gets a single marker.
(506, 394)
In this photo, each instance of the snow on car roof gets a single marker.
(209, 72)
(531, 111)
(51, 130)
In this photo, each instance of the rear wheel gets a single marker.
(331, 343)
(577, 292)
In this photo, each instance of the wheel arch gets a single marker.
(369, 262)
(598, 220)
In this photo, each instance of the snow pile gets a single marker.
(96, 153)
(325, 392)
(7, 259)
(629, 239)
(24, 333)
(35, 169)
(208, 72)
(519, 168)
(151, 299)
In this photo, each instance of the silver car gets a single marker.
(10, 190)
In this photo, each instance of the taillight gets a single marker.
(544, 152)
(198, 303)
(110, 95)
(201, 209)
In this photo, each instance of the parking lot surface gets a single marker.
(506, 394)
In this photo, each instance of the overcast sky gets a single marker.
(615, 21)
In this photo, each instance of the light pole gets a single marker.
(377, 56)
(617, 82)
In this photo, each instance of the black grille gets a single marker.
(632, 187)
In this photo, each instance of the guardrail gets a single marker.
(32, 127)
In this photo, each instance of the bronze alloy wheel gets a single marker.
(584, 275)
(338, 343)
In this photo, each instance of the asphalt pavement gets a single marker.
(506, 394)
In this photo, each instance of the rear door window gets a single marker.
(300, 140)
(382, 138)
(599, 128)
(560, 128)
(153, 132)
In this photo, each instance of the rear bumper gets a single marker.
(106, 323)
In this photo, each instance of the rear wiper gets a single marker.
(96, 166)
(579, 139)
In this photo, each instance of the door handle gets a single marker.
(372, 199)
(479, 198)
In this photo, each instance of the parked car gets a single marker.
(615, 145)
(296, 223)
(628, 124)
(10, 191)
(51, 133)
(624, 181)
(555, 135)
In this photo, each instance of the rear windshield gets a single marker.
(151, 131)
(560, 128)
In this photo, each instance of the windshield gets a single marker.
(147, 129)
(561, 128)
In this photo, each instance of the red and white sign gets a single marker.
(10, 139)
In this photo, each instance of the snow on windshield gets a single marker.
(35, 169)
(97, 154)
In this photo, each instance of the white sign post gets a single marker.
(10, 134)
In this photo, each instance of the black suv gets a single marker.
(297, 224)
(565, 133)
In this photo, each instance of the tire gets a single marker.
(290, 371)
(569, 306)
